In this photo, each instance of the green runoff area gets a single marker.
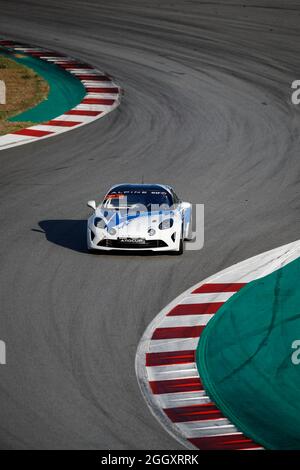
(248, 361)
(56, 91)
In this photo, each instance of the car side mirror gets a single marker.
(186, 205)
(92, 205)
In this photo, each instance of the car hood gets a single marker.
(120, 219)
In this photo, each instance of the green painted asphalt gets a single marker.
(66, 91)
(245, 359)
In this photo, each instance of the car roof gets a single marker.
(141, 187)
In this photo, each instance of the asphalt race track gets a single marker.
(206, 109)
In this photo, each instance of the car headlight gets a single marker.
(99, 223)
(165, 224)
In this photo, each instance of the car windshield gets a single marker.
(150, 199)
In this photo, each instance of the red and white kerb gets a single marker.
(171, 376)
(102, 97)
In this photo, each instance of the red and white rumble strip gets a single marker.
(165, 362)
(102, 97)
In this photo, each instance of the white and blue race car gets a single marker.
(140, 217)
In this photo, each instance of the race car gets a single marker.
(140, 217)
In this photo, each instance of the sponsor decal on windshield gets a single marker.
(115, 196)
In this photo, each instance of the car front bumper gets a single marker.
(97, 242)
